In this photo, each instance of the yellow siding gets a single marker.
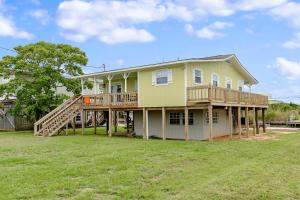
(223, 69)
(172, 94)
(130, 84)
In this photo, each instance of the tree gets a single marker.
(34, 74)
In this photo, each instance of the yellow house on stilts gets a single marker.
(197, 98)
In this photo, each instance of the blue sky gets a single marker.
(264, 34)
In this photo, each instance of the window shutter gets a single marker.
(170, 79)
(153, 78)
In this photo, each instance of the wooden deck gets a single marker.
(216, 95)
(113, 100)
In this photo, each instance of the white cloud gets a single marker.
(8, 29)
(110, 22)
(113, 21)
(287, 68)
(293, 43)
(209, 32)
(41, 15)
(247, 5)
(289, 11)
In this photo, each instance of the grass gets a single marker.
(98, 167)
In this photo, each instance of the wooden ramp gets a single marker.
(51, 123)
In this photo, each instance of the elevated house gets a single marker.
(198, 98)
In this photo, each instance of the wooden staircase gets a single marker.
(51, 123)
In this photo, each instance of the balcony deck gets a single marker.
(113, 100)
(222, 96)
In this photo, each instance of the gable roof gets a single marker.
(230, 58)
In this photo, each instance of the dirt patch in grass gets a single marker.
(271, 134)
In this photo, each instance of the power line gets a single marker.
(7, 49)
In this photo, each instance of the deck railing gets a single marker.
(223, 95)
(112, 99)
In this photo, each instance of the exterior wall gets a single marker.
(172, 94)
(131, 81)
(223, 69)
(198, 131)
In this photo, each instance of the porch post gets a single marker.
(256, 121)
(263, 119)
(127, 122)
(110, 122)
(74, 125)
(186, 123)
(163, 112)
(116, 120)
(95, 86)
(125, 76)
(230, 120)
(239, 122)
(82, 86)
(82, 122)
(210, 121)
(145, 123)
(247, 120)
(109, 78)
(95, 122)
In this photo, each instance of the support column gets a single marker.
(210, 121)
(256, 121)
(95, 122)
(95, 86)
(82, 121)
(147, 124)
(109, 78)
(82, 86)
(163, 123)
(127, 122)
(144, 124)
(110, 122)
(67, 126)
(116, 121)
(125, 76)
(74, 125)
(247, 120)
(186, 123)
(263, 119)
(239, 122)
(230, 120)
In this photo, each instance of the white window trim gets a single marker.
(212, 80)
(170, 79)
(194, 76)
(228, 79)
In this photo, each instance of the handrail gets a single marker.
(62, 110)
(53, 114)
(210, 93)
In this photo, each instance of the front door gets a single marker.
(117, 88)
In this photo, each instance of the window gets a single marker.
(175, 118)
(197, 76)
(215, 80)
(161, 77)
(228, 83)
(215, 117)
(191, 118)
(240, 85)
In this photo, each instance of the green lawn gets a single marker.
(98, 167)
